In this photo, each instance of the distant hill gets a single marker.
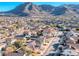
(28, 8)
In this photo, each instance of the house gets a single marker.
(13, 40)
(75, 33)
(32, 44)
(18, 53)
(73, 45)
(21, 36)
(39, 41)
(3, 45)
(69, 52)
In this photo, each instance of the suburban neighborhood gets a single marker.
(31, 30)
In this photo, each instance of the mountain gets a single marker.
(28, 8)
(47, 8)
(24, 9)
(65, 9)
(59, 10)
(73, 7)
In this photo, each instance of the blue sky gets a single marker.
(5, 6)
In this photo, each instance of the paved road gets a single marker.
(55, 40)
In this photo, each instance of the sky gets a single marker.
(6, 6)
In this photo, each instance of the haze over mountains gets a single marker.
(29, 8)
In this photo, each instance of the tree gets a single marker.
(77, 29)
(17, 44)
